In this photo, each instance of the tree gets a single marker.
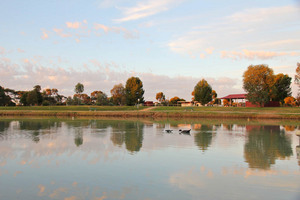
(102, 99)
(174, 100)
(118, 94)
(94, 94)
(134, 91)
(32, 98)
(258, 83)
(4, 99)
(37, 89)
(281, 88)
(290, 101)
(203, 92)
(297, 77)
(160, 97)
(79, 88)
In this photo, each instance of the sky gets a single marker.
(169, 44)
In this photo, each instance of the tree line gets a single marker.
(259, 81)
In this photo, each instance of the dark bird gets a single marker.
(185, 131)
(168, 131)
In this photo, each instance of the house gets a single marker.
(188, 103)
(148, 103)
(238, 99)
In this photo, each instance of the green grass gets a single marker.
(272, 110)
(72, 108)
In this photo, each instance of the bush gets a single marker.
(46, 103)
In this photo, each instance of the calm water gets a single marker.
(98, 159)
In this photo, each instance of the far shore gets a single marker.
(291, 113)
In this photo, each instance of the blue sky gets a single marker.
(169, 44)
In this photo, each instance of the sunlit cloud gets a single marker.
(74, 25)
(147, 8)
(253, 55)
(2, 50)
(45, 35)
(242, 35)
(127, 33)
(95, 74)
(41, 190)
(61, 33)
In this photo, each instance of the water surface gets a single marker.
(116, 159)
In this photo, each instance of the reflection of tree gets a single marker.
(134, 136)
(78, 140)
(130, 133)
(36, 126)
(264, 145)
(203, 138)
(3, 126)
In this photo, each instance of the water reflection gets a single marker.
(265, 144)
(237, 160)
(203, 137)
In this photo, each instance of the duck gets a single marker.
(184, 131)
(168, 130)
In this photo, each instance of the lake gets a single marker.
(74, 159)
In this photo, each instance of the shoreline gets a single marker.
(153, 114)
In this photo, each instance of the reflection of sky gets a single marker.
(168, 166)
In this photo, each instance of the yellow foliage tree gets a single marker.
(290, 101)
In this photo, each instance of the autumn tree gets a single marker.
(174, 100)
(258, 82)
(160, 97)
(134, 91)
(118, 94)
(94, 94)
(203, 92)
(281, 88)
(290, 101)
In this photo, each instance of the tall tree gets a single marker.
(118, 94)
(134, 91)
(37, 89)
(297, 78)
(160, 97)
(4, 99)
(281, 88)
(79, 88)
(258, 82)
(203, 92)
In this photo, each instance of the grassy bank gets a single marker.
(155, 112)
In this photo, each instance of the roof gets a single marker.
(235, 96)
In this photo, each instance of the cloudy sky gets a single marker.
(169, 44)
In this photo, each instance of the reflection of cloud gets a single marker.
(41, 189)
(56, 193)
(17, 173)
(185, 180)
(70, 198)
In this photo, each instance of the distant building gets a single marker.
(240, 100)
(148, 103)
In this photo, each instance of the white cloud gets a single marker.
(256, 30)
(2, 50)
(61, 33)
(147, 8)
(126, 33)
